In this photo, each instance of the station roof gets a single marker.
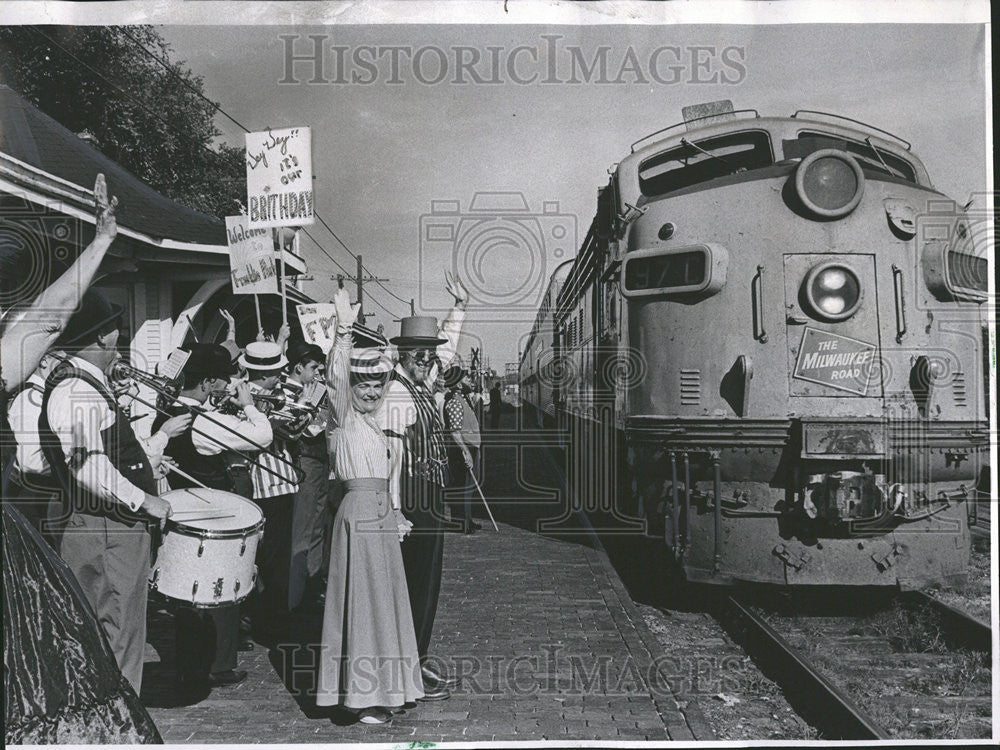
(46, 163)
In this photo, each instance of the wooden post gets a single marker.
(256, 305)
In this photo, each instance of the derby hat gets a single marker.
(418, 330)
(262, 356)
(96, 315)
(209, 361)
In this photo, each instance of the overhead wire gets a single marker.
(175, 129)
(245, 129)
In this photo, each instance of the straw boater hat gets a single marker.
(262, 356)
(419, 330)
(369, 364)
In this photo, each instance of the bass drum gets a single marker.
(207, 555)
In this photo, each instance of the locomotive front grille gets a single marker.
(690, 387)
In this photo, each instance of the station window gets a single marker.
(689, 164)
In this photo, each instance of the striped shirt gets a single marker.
(278, 478)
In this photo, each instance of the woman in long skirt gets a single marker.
(368, 660)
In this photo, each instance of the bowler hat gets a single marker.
(209, 361)
(262, 355)
(96, 315)
(418, 330)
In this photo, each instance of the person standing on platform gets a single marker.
(275, 482)
(410, 417)
(311, 516)
(208, 639)
(106, 479)
(496, 405)
(462, 425)
(369, 658)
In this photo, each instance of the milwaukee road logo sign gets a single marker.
(835, 361)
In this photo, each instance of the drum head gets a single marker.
(211, 510)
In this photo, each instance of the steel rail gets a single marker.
(839, 717)
(963, 629)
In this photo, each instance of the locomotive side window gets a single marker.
(873, 159)
(704, 160)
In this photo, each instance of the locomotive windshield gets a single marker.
(703, 160)
(872, 159)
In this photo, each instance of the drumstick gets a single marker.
(485, 504)
(203, 518)
(189, 478)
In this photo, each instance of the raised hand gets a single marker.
(230, 323)
(347, 311)
(456, 289)
(106, 225)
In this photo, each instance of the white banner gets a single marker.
(251, 258)
(319, 324)
(279, 178)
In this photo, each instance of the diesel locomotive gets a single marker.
(768, 353)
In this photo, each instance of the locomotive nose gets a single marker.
(830, 183)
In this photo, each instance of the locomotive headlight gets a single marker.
(830, 183)
(832, 291)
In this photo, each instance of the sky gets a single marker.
(389, 142)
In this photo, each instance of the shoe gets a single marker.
(471, 527)
(229, 677)
(435, 693)
(374, 715)
(434, 679)
(245, 645)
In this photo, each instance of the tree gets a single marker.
(110, 81)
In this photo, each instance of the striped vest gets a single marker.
(424, 452)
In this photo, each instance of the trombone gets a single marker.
(168, 388)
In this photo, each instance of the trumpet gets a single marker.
(167, 390)
(276, 405)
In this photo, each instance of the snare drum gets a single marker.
(208, 549)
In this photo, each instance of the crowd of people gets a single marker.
(350, 476)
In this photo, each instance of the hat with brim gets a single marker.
(209, 361)
(369, 364)
(96, 314)
(262, 356)
(418, 330)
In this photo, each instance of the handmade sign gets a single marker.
(279, 178)
(319, 324)
(251, 258)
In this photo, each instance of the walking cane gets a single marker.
(485, 504)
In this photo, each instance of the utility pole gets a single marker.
(360, 280)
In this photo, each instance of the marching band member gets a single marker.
(311, 514)
(369, 648)
(208, 640)
(106, 479)
(410, 418)
(274, 489)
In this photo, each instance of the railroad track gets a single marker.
(905, 667)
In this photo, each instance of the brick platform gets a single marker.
(540, 628)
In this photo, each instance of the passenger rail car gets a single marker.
(768, 352)
(538, 371)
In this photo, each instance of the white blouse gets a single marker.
(360, 448)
